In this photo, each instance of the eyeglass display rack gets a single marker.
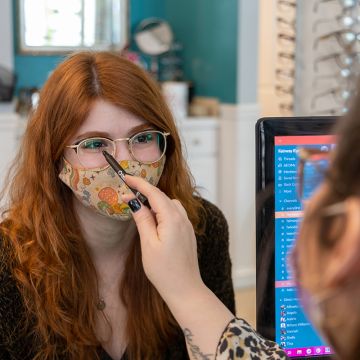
(327, 56)
(286, 51)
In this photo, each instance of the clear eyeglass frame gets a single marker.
(341, 96)
(129, 140)
(345, 4)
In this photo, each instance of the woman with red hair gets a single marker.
(76, 282)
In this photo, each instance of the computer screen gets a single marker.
(279, 213)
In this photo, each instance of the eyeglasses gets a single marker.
(284, 90)
(344, 20)
(147, 147)
(345, 38)
(286, 6)
(285, 74)
(312, 167)
(286, 40)
(344, 61)
(333, 112)
(341, 96)
(345, 4)
(285, 58)
(285, 24)
(342, 79)
(286, 107)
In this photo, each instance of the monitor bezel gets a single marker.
(266, 129)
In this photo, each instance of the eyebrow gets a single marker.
(132, 131)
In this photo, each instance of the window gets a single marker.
(48, 26)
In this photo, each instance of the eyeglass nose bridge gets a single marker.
(121, 151)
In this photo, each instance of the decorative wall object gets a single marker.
(286, 48)
(327, 53)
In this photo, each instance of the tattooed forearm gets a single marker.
(195, 350)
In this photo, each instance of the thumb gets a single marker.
(144, 219)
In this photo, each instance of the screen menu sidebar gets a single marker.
(294, 332)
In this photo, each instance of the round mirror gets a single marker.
(154, 37)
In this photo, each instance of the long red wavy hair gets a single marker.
(48, 256)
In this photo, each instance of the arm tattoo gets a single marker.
(195, 350)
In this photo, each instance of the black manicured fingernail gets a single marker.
(134, 205)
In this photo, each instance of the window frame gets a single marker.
(60, 50)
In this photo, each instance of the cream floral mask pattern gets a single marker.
(101, 189)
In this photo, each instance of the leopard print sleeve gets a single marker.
(241, 341)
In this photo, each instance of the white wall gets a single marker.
(237, 187)
(237, 149)
(6, 35)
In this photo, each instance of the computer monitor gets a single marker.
(278, 214)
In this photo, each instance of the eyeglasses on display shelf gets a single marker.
(286, 25)
(332, 111)
(346, 38)
(343, 78)
(342, 60)
(344, 20)
(339, 95)
(287, 6)
(345, 4)
(336, 51)
(286, 58)
(284, 90)
(286, 47)
(286, 40)
(285, 74)
(287, 108)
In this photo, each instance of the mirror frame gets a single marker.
(60, 50)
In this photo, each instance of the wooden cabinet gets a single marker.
(201, 148)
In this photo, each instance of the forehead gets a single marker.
(107, 117)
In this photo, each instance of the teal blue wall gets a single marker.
(206, 28)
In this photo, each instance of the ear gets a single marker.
(344, 257)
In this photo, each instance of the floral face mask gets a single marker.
(101, 189)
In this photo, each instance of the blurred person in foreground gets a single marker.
(326, 257)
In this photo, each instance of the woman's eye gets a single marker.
(93, 144)
(143, 138)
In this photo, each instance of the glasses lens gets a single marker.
(90, 152)
(313, 173)
(148, 146)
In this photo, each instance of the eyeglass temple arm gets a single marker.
(74, 147)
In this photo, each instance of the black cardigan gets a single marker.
(215, 268)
